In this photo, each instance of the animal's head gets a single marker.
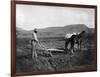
(83, 32)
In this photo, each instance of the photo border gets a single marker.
(13, 37)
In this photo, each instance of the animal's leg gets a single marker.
(80, 44)
(72, 47)
(72, 51)
(66, 45)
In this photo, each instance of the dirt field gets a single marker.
(59, 61)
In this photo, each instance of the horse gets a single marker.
(75, 38)
(67, 40)
(78, 39)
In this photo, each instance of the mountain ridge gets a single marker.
(56, 31)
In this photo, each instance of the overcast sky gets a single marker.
(29, 17)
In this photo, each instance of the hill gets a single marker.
(56, 31)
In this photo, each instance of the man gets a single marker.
(35, 42)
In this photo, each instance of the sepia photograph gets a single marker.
(54, 38)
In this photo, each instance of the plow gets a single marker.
(50, 49)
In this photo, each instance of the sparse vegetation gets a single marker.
(59, 61)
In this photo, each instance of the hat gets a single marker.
(35, 30)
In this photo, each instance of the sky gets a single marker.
(29, 17)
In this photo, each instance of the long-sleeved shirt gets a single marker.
(34, 36)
